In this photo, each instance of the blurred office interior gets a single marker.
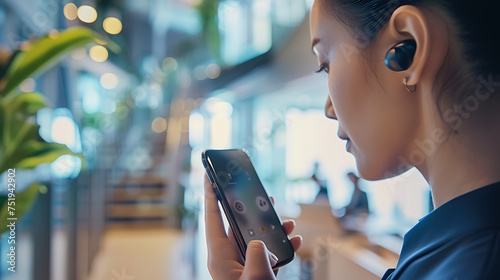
(181, 76)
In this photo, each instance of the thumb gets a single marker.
(258, 261)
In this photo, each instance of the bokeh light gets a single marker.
(98, 53)
(109, 80)
(169, 64)
(63, 130)
(87, 14)
(70, 11)
(66, 166)
(196, 129)
(213, 71)
(53, 33)
(112, 25)
(28, 85)
(159, 125)
(43, 189)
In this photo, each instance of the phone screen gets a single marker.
(250, 207)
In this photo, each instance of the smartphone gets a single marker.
(245, 202)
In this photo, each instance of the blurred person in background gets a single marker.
(359, 199)
(322, 196)
(412, 84)
(353, 216)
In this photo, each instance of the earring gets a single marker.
(406, 85)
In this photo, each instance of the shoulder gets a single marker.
(475, 256)
(479, 251)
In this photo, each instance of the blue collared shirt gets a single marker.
(460, 240)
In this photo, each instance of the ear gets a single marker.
(431, 36)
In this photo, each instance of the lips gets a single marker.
(344, 137)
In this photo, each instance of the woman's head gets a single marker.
(376, 111)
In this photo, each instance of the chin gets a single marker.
(374, 170)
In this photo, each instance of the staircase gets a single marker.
(138, 201)
(144, 197)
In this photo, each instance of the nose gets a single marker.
(329, 111)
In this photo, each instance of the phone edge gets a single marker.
(225, 206)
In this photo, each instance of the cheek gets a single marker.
(378, 123)
(344, 85)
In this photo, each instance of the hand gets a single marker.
(224, 258)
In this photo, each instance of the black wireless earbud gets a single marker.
(400, 57)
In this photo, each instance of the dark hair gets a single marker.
(476, 23)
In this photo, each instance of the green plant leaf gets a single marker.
(43, 53)
(28, 103)
(43, 153)
(23, 202)
(17, 119)
(3, 199)
(208, 10)
(18, 131)
(28, 148)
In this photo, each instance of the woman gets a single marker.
(412, 84)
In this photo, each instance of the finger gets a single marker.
(296, 241)
(288, 226)
(213, 220)
(258, 261)
(272, 199)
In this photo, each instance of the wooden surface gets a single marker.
(336, 254)
(153, 254)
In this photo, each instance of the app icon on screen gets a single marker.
(262, 203)
(239, 206)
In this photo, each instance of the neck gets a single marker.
(457, 169)
(464, 161)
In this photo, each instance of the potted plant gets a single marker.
(21, 146)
